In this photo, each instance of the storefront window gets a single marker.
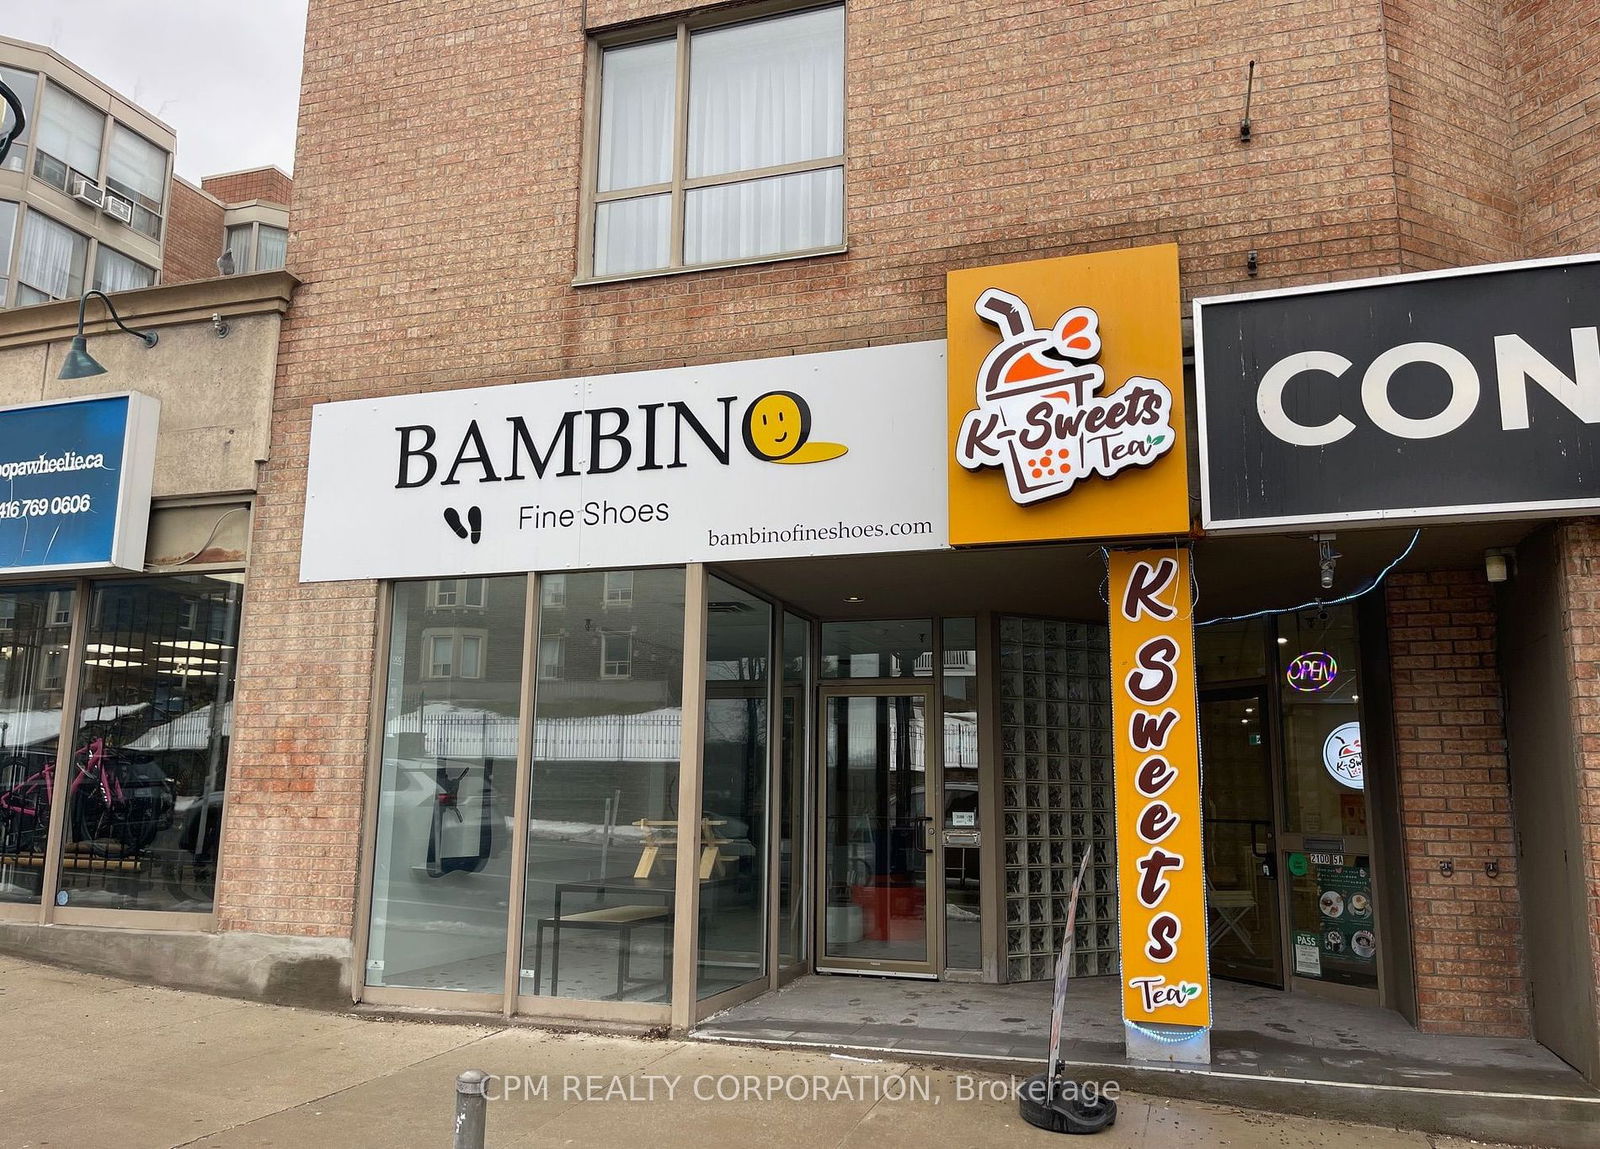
(733, 867)
(602, 818)
(35, 626)
(145, 803)
(1231, 651)
(441, 879)
(893, 648)
(1319, 691)
(963, 942)
(793, 860)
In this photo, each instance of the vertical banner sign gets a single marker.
(1160, 868)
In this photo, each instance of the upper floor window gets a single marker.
(619, 588)
(8, 229)
(257, 247)
(25, 85)
(457, 592)
(136, 170)
(720, 145)
(454, 653)
(553, 590)
(114, 271)
(616, 655)
(69, 138)
(52, 260)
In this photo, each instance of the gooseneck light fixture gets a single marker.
(79, 364)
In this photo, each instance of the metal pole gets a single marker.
(472, 1109)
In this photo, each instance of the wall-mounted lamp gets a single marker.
(1497, 563)
(1252, 263)
(1327, 559)
(79, 364)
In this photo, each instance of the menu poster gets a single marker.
(1344, 900)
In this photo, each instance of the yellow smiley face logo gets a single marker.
(777, 428)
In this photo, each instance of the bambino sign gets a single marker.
(1161, 880)
(1066, 399)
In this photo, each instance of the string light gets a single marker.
(1351, 597)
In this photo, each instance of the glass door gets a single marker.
(1240, 839)
(877, 832)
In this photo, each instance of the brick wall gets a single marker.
(1455, 803)
(1579, 548)
(436, 220)
(1555, 75)
(193, 236)
(1452, 133)
(259, 183)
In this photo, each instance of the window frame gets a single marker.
(678, 187)
(455, 637)
(626, 664)
(556, 670)
(615, 591)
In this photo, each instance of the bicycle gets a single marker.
(115, 802)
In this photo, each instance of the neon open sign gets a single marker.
(1312, 671)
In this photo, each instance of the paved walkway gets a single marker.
(88, 1061)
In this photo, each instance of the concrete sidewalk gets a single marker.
(88, 1061)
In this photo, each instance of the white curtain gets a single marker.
(239, 244)
(764, 217)
(137, 164)
(632, 235)
(637, 86)
(766, 93)
(51, 261)
(270, 248)
(69, 129)
(114, 271)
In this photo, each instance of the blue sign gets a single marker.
(75, 483)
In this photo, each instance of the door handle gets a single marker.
(1269, 868)
(927, 822)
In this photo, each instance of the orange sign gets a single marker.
(1066, 399)
(1160, 869)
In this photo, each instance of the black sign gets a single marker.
(1438, 396)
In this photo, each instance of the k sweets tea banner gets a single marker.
(1066, 414)
(1160, 868)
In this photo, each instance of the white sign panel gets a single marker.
(836, 453)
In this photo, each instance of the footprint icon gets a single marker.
(472, 530)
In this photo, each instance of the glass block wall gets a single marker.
(1055, 730)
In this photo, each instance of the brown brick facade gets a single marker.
(193, 235)
(267, 184)
(436, 224)
(1579, 545)
(1455, 805)
(1554, 73)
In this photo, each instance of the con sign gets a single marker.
(1433, 397)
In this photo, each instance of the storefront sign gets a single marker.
(1161, 878)
(1341, 755)
(834, 453)
(1066, 399)
(1312, 671)
(1441, 396)
(75, 478)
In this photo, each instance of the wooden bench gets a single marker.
(623, 920)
